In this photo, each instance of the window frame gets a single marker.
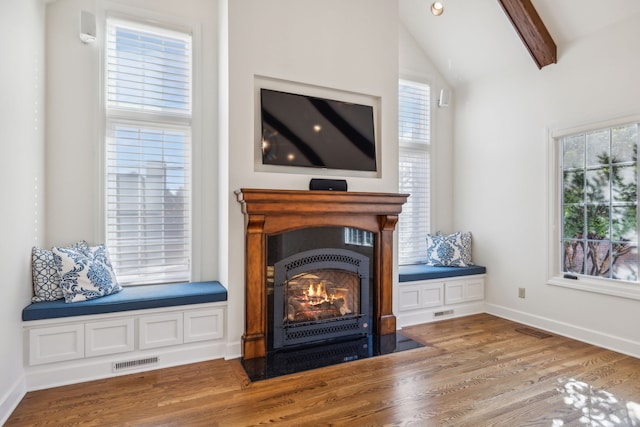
(144, 118)
(554, 273)
(428, 150)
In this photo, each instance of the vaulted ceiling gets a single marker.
(473, 38)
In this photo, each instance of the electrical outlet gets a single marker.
(521, 293)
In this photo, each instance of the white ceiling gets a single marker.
(473, 38)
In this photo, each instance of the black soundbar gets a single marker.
(328, 184)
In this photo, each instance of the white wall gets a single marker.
(344, 45)
(415, 64)
(74, 134)
(500, 159)
(22, 178)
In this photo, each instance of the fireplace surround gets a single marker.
(269, 212)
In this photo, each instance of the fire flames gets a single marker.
(317, 293)
(317, 303)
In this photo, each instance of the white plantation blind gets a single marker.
(148, 153)
(148, 69)
(414, 130)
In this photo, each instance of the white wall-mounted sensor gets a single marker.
(445, 98)
(87, 27)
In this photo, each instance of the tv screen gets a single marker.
(300, 130)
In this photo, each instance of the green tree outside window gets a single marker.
(599, 203)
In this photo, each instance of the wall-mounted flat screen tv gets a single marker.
(307, 131)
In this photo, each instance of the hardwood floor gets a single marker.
(473, 371)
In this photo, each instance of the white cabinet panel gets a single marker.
(421, 295)
(464, 291)
(109, 337)
(99, 336)
(56, 344)
(409, 298)
(432, 295)
(202, 325)
(474, 290)
(454, 292)
(428, 300)
(160, 330)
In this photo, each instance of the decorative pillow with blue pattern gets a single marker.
(85, 274)
(453, 250)
(44, 273)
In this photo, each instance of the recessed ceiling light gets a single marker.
(437, 8)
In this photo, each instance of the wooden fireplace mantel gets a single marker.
(275, 211)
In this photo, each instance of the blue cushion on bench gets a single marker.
(410, 273)
(131, 298)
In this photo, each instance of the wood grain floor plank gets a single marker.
(473, 371)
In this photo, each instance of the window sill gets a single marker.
(623, 290)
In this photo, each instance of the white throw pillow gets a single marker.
(453, 250)
(85, 274)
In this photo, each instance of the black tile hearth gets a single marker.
(290, 361)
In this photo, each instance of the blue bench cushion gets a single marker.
(131, 298)
(410, 273)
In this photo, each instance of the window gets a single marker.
(414, 122)
(148, 152)
(599, 203)
(596, 246)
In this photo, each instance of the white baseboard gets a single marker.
(417, 317)
(610, 342)
(234, 350)
(11, 399)
(94, 368)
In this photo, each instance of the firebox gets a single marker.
(319, 295)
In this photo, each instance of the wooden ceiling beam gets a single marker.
(531, 30)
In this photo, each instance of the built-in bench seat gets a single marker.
(131, 298)
(412, 273)
(427, 293)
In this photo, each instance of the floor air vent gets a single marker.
(443, 313)
(131, 364)
(533, 332)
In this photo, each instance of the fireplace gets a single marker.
(320, 295)
(357, 280)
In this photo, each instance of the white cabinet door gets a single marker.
(421, 295)
(203, 325)
(160, 330)
(109, 337)
(56, 344)
(464, 290)
(409, 298)
(474, 289)
(454, 292)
